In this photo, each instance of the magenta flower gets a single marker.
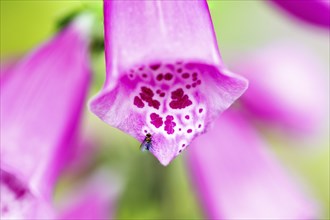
(165, 75)
(41, 103)
(237, 178)
(287, 89)
(316, 12)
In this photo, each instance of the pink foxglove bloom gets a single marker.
(237, 178)
(288, 88)
(165, 76)
(41, 103)
(316, 12)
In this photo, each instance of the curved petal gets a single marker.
(288, 88)
(164, 73)
(316, 12)
(18, 202)
(41, 103)
(236, 178)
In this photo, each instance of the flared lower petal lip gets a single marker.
(173, 101)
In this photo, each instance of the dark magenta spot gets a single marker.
(179, 70)
(183, 145)
(138, 102)
(194, 75)
(194, 79)
(179, 129)
(179, 100)
(169, 124)
(131, 75)
(169, 117)
(168, 76)
(199, 126)
(162, 94)
(155, 104)
(155, 66)
(188, 86)
(159, 77)
(156, 120)
(200, 110)
(199, 82)
(177, 94)
(145, 131)
(147, 91)
(158, 91)
(187, 117)
(185, 75)
(193, 85)
(189, 130)
(144, 75)
(180, 151)
(141, 68)
(146, 95)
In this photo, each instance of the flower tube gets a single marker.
(41, 103)
(165, 76)
(316, 12)
(237, 178)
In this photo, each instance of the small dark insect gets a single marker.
(146, 144)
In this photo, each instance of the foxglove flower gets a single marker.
(165, 75)
(316, 12)
(41, 102)
(237, 178)
(288, 88)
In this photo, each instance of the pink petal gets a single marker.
(41, 103)
(288, 88)
(316, 12)
(164, 73)
(237, 178)
(95, 199)
(18, 202)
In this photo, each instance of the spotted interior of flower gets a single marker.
(173, 101)
(169, 96)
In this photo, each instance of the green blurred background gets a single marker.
(150, 190)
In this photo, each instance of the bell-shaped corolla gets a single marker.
(164, 73)
(42, 99)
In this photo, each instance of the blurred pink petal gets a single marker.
(288, 88)
(316, 12)
(41, 103)
(237, 178)
(95, 199)
(18, 202)
(165, 75)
